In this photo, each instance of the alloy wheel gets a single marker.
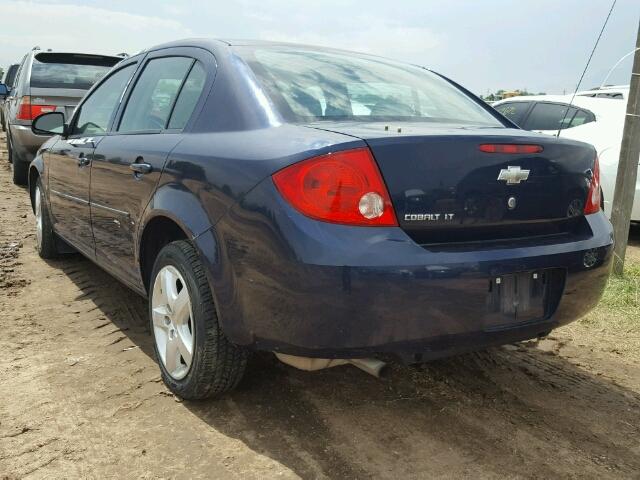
(172, 317)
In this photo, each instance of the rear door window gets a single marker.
(11, 75)
(188, 97)
(18, 76)
(514, 111)
(69, 70)
(97, 110)
(582, 117)
(154, 94)
(549, 116)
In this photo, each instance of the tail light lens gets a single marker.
(509, 148)
(29, 111)
(594, 198)
(342, 187)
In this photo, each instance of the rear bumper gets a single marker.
(286, 283)
(25, 143)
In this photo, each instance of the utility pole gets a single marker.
(627, 167)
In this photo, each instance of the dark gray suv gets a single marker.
(46, 81)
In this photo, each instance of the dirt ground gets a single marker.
(81, 397)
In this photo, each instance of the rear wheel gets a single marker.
(45, 238)
(196, 359)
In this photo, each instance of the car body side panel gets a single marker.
(234, 162)
(119, 196)
(68, 188)
(40, 167)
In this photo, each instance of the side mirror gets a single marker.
(51, 123)
(4, 91)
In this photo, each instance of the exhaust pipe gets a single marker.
(370, 365)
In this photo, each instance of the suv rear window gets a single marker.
(308, 84)
(69, 70)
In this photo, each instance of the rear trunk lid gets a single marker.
(446, 190)
(64, 100)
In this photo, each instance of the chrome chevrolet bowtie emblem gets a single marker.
(513, 175)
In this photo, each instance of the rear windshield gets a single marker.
(65, 70)
(318, 85)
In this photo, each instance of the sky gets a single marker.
(540, 45)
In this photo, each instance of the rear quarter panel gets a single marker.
(220, 168)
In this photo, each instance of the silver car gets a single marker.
(46, 81)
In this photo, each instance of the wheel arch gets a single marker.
(173, 213)
(36, 170)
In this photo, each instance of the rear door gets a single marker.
(69, 160)
(127, 164)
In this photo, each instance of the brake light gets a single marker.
(594, 199)
(29, 111)
(509, 148)
(342, 187)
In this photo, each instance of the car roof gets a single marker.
(231, 42)
(610, 89)
(215, 44)
(79, 52)
(599, 106)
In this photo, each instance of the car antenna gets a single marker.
(606, 20)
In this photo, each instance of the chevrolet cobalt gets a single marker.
(319, 204)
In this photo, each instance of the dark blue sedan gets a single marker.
(317, 203)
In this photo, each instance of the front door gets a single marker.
(69, 175)
(71, 158)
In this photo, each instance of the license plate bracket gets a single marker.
(517, 298)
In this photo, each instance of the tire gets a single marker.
(9, 150)
(20, 168)
(216, 365)
(20, 171)
(45, 237)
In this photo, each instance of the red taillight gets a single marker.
(29, 111)
(594, 199)
(24, 108)
(509, 148)
(341, 187)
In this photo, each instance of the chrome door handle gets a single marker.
(141, 168)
